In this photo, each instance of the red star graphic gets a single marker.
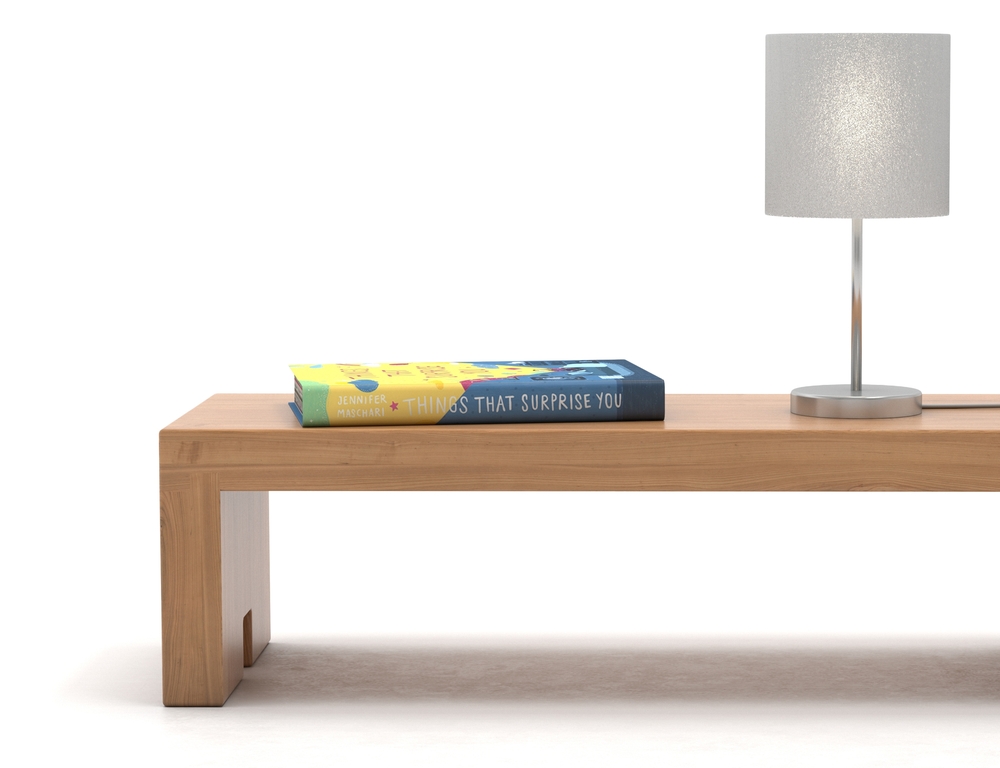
(394, 406)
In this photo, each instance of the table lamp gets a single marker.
(857, 127)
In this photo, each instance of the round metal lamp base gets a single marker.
(837, 401)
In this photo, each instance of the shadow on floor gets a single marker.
(331, 672)
(307, 672)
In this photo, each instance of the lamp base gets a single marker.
(874, 401)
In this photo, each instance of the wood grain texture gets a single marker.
(248, 656)
(706, 442)
(191, 591)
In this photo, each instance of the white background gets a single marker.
(195, 195)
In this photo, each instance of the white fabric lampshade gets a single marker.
(857, 125)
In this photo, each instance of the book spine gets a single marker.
(484, 402)
(552, 401)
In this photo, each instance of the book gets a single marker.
(355, 394)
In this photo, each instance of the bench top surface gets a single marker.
(706, 442)
(710, 413)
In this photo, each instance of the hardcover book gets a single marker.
(354, 394)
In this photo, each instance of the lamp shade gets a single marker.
(857, 125)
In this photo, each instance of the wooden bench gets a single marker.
(218, 462)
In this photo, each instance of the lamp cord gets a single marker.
(962, 405)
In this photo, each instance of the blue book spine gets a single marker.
(607, 390)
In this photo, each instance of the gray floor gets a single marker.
(313, 701)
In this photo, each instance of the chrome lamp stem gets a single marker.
(855, 305)
(848, 401)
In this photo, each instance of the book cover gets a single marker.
(354, 394)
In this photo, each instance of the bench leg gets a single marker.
(215, 586)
